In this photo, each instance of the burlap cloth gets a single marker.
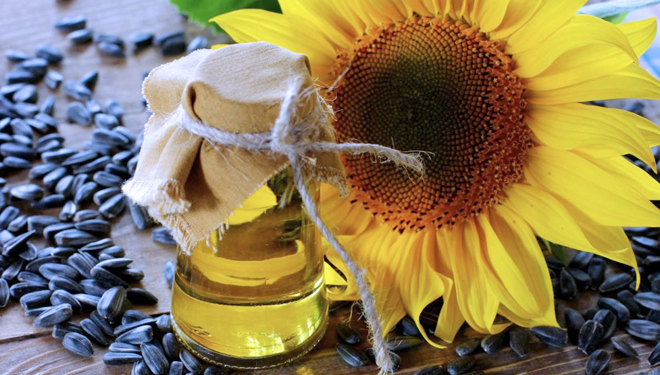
(192, 185)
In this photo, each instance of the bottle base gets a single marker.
(248, 363)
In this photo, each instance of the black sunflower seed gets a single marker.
(60, 330)
(348, 334)
(519, 341)
(169, 272)
(94, 331)
(431, 370)
(597, 362)
(608, 320)
(492, 343)
(4, 292)
(121, 358)
(7, 215)
(349, 354)
(94, 226)
(103, 195)
(78, 344)
(113, 207)
(81, 36)
(68, 211)
(654, 357)
(66, 283)
(154, 358)
(50, 270)
(83, 215)
(42, 170)
(137, 336)
(125, 327)
(88, 300)
(399, 343)
(86, 192)
(105, 121)
(31, 277)
(50, 231)
(628, 299)
(51, 201)
(101, 244)
(107, 278)
(22, 288)
(112, 302)
(17, 244)
(140, 368)
(643, 329)
(81, 263)
(34, 265)
(71, 23)
(163, 235)
(60, 297)
(615, 282)
(12, 271)
(163, 324)
(131, 316)
(170, 346)
(102, 323)
(582, 279)
(53, 315)
(93, 287)
(122, 347)
(192, 364)
(460, 365)
(111, 49)
(650, 300)
(622, 313)
(567, 285)
(18, 225)
(596, 271)
(621, 345)
(33, 300)
(142, 297)
(552, 336)
(74, 237)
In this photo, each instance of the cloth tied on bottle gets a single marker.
(224, 122)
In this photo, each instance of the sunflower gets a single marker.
(495, 92)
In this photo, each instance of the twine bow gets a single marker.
(296, 141)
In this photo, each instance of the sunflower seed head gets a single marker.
(597, 362)
(121, 358)
(54, 315)
(78, 344)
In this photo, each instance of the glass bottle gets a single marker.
(253, 296)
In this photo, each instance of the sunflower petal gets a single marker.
(640, 33)
(487, 14)
(630, 82)
(475, 296)
(517, 273)
(326, 18)
(450, 319)
(598, 194)
(546, 216)
(549, 17)
(518, 13)
(252, 25)
(637, 178)
(389, 305)
(583, 40)
(256, 204)
(572, 125)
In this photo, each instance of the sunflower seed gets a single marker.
(654, 357)
(163, 235)
(61, 251)
(137, 335)
(122, 347)
(431, 370)
(574, 321)
(103, 195)
(154, 357)
(110, 137)
(460, 365)
(120, 330)
(131, 316)
(79, 181)
(597, 362)
(4, 292)
(112, 302)
(107, 278)
(12, 271)
(348, 353)
(113, 207)
(16, 163)
(348, 334)
(122, 157)
(18, 225)
(141, 297)
(85, 193)
(60, 297)
(71, 23)
(622, 313)
(193, 364)
(35, 299)
(41, 170)
(519, 341)
(73, 237)
(83, 215)
(16, 56)
(628, 299)
(169, 272)
(39, 222)
(468, 347)
(170, 346)
(18, 150)
(63, 282)
(50, 231)
(552, 336)
(88, 300)
(567, 285)
(121, 358)
(51, 201)
(22, 288)
(608, 320)
(78, 344)
(79, 158)
(140, 368)
(596, 271)
(649, 300)
(68, 211)
(106, 121)
(77, 91)
(492, 343)
(97, 245)
(50, 270)
(92, 286)
(94, 226)
(653, 316)
(33, 313)
(643, 329)
(60, 330)
(582, 279)
(16, 245)
(6, 236)
(8, 214)
(615, 282)
(81, 263)
(27, 94)
(163, 324)
(94, 331)
(32, 278)
(81, 36)
(213, 370)
(621, 345)
(54, 315)
(34, 265)
(399, 343)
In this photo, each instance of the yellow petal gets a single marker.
(450, 319)
(640, 33)
(252, 25)
(389, 304)
(624, 170)
(332, 277)
(549, 17)
(476, 299)
(256, 204)
(419, 284)
(421, 7)
(517, 270)
(572, 125)
(518, 13)
(582, 41)
(598, 194)
(488, 14)
(630, 82)
(326, 17)
(546, 216)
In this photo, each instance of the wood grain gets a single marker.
(28, 350)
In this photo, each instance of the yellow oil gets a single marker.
(253, 297)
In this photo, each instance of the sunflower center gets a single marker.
(440, 86)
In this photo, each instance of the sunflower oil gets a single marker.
(253, 296)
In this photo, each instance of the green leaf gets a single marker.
(557, 250)
(202, 11)
(616, 18)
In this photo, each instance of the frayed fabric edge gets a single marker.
(163, 197)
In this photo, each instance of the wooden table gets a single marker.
(25, 349)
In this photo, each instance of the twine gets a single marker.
(296, 141)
